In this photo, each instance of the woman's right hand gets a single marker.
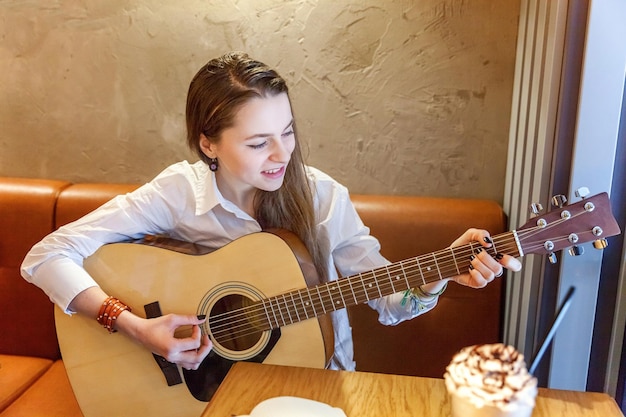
(161, 335)
(158, 335)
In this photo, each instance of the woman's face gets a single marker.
(254, 152)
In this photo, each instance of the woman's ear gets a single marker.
(206, 146)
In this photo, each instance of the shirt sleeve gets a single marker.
(55, 264)
(354, 250)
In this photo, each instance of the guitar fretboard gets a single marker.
(306, 303)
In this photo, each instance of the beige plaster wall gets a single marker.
(395, 97)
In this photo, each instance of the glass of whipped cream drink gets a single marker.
(490, 381)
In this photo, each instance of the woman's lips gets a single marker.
(275, 172)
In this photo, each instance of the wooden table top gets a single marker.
(365, 394)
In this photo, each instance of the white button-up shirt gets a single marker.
(184, 202)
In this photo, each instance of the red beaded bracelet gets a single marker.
(110, 309)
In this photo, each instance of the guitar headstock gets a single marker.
(569, 226)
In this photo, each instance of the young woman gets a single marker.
(250, 177)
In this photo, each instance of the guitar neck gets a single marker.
(306, 303)
(587, 220)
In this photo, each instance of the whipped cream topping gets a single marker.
(493, 374)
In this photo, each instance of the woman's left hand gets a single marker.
(483, 268)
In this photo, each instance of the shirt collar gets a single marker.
(206, 192)
(208, 196)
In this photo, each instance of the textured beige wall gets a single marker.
(396, 97)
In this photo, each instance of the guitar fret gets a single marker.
(406, 278)
(333, 303)
(458, 271)
(340, 293)
(321, 299)
(471, 245)
(280, 311)
(372, 286)
(432, 270)
(287, 309)
(273, 313)
(312, 302)
(364, 288)
(356, 301)
(269, 308)
(284, 312)
(419, 266)
(303, 304)
(380, 294)
(295, 307)
(437, 266)
(269, 321)
(493, 245)
(393, 288)
(330, 295)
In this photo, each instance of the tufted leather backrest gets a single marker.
(411, 226)
(79, 199)
(26, 315)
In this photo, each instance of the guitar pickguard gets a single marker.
(203, 382)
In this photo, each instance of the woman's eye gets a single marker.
(288, 133)
(258, 146)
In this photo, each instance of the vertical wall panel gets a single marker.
(564, 133)
(531, 146)
(593, 160)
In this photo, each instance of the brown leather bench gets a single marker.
(32, 378)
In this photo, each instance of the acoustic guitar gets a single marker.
(262, 303)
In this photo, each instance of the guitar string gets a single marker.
(284, 308)
(540, 230)
(438, 263)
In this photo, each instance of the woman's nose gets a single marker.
(280, 153)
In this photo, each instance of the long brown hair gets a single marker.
(215, 95)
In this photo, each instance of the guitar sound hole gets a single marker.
(234, 322)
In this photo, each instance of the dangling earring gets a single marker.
(213, 164)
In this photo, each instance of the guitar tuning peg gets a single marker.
(552, 258)
(600, 243)
(559, 200)
(536, 208)
(576, 250)
(582, 192)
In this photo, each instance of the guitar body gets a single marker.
(111, 375)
